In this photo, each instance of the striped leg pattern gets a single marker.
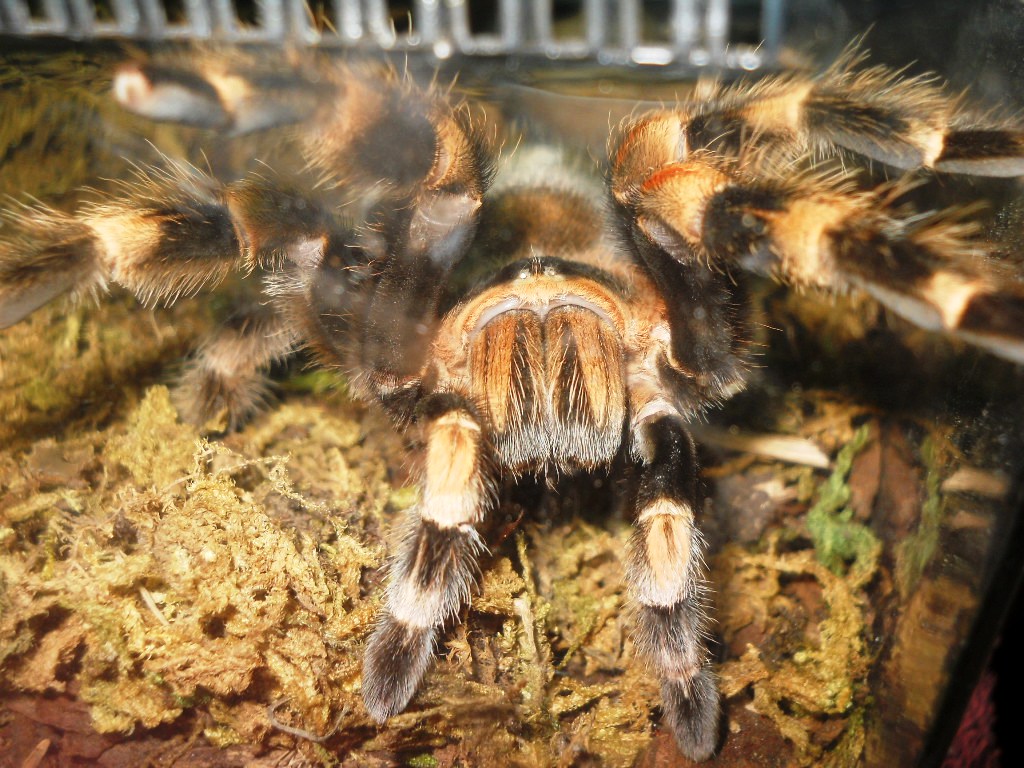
(667, 581)
(725, 182)
(876, 112)
(435, 567)
(813, 230)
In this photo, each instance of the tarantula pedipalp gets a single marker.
(526, 324)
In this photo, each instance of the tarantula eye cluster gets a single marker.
(495, 298)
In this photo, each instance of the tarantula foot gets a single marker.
(396, 658)
(693, 712)
(203, 397)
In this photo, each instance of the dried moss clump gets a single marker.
(814, 663)
(176, 590)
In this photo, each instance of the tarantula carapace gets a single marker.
(527, 317)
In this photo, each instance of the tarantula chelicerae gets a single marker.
(529, 319)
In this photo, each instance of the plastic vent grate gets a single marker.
(695, 32)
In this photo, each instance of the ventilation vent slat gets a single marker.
(694, 32)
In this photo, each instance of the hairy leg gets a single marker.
(667, 582)
(435, 566)
(228, 373)
(708, 212)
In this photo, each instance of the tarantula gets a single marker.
(526, 316)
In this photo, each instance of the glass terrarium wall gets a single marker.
(167, 585)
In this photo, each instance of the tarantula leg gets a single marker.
(47, 254)
(171, 232)
(371, 129)
(228, 372)
(435, 567)
(811, 231)
(666, 577)
(421, 162)
(901, 121)
(368, 314)
(168, 236)
(236, 93)
(982, 152)
(875, 112)
(709, 327)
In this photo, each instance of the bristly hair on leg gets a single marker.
(431, 576)
(45, 253)
(228, 374)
